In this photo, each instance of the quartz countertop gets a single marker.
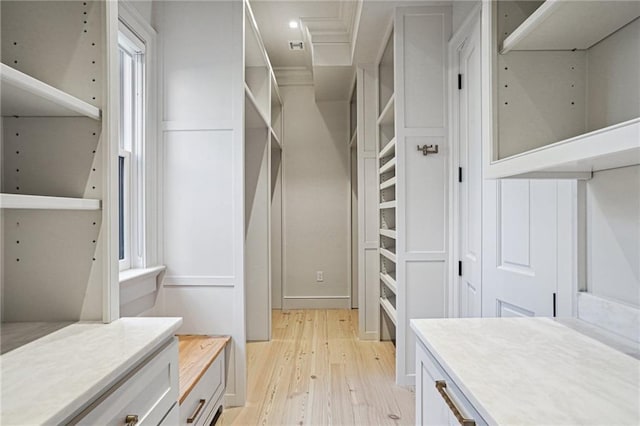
(533, 371)
(56, 376)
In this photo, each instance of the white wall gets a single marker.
(316, 200)
(613, 235)
(461, 9)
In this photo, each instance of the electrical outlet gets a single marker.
(319, 276)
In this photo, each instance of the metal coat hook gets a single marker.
(428, 149)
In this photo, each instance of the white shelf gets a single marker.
(389, 148)
(389, 233)
(253, 116)
(390, 310)
(26, 96)
(353, 140)
(567, 25)
(389, 205)
(390, 282)
(386, 253)
(388, 166)
(275, 139)
(387, 115)
(611, 147)
(388, 183)
(17, 201)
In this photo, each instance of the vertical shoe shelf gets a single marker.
(387, 190)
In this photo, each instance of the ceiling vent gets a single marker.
(296, 45)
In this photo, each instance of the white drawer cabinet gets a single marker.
(145, 397)
(204, 400)
(438, 400)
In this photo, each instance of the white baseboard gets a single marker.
(316, 302)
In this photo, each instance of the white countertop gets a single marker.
(52, 378)
(534, 371)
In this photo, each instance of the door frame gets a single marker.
(456, 43)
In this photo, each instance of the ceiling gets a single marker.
(337, 34)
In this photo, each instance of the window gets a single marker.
(131, 148)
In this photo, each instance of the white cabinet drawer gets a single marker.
(148, 393)
(439, 401)
(205, 397)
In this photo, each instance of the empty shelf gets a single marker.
(388, 166)
(386, 117)
(390, 282)
(26, 96)
(389, 255)
(389, 148)
(390, 310)
(389, 233)
(17, 201)
(275, 140)
(611, 147)
(567, 25)
(354, 140)
(389, 205)
(253, 116)
(388, 183)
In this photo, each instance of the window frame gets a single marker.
(136, 34)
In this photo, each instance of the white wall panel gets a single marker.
(197, 40)
(423, 39)
(198, 187)
(426, 188)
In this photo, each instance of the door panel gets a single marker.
(470, 148)
(520, 240)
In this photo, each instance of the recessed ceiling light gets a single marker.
(293, 24)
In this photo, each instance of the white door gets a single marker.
(520, 247)
(470, 175)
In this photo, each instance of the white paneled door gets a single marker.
(520, 242)
(470, 175)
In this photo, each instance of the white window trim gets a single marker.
(147, 258)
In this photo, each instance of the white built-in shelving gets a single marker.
(568, 25)
(388, 254)
(586, 123)
(388, 205)
(263, 132)
(389, 309)
(388, 166)
(388, 183)
(389, 149)
(25, 96)
(38, 202)
(389, 280)
(389, 233)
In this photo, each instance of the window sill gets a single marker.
(139, 274)
(138, 289)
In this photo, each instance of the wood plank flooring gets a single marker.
(315, 371)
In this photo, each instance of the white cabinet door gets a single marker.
(432, 408)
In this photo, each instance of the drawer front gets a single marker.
(148, 393)
(173, 417)
(433, 388)
(197, 407)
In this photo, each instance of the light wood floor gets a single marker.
(315, 371)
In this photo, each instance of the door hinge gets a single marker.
(459, 268)
(554, 305)
(459, 81)
(459, 174)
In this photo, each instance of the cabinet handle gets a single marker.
(131, 420)
(441, 385)
(198, 408)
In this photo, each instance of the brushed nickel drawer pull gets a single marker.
(131, 420)
(441, 385)
(194, 416)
